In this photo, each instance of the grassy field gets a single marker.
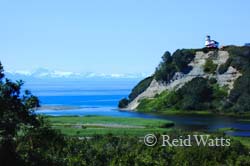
(91, 125)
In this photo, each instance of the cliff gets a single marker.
(223, 66)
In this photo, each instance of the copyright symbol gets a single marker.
(150, 140)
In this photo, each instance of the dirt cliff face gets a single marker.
(179, 79)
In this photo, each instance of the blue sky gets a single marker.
(111, 36)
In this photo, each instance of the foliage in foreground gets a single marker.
(25, 138)
(111, 150)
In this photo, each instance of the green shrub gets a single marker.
(123, 103)
(167, 99)
(210, 67)
(195, 94)
(112, 150)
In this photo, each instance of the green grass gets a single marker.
(244, 140)
(69, 131)
(156, 104)
(226, 129)
(91, 125)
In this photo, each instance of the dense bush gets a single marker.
(210, 67)
(41, 146)
(195, 95)
(181, 59)
(111, 150)
(123, 103)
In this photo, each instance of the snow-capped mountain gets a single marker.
(42, 73)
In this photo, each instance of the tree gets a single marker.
(123, 103)
(23, 134)
(182, 58)
(167, 58)
(15, 111)
(1, 72)
(166, 70)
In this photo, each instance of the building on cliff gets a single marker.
(211, 43)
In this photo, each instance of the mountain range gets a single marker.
(46, 74)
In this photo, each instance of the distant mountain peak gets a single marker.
(43, 73)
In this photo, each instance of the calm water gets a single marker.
(101, 98)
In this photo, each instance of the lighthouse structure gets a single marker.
(211, 43)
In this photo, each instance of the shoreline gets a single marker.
(57, 107)
(185, 112)
(229, 114)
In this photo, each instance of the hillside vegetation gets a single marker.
(202, 92)
(198, 94)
